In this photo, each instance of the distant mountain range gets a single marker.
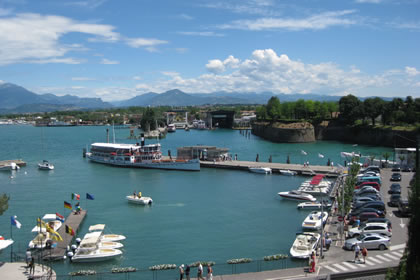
(16, 99)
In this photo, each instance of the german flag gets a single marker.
(67, 205)
(69, 230)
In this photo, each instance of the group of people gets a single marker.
(187, 271)
(357, 252)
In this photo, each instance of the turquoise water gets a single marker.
(212, 215)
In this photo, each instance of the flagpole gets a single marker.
(11, 237)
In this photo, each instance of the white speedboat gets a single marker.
(312, 205)
(144, 200)
(304, 244)
(51, 220)
(297, 195)
(45, 165)
(138, 155)
(94, 239)
(315, 220)
(287, 172)
(40, 241)
(96, 255)
(4, 243)
(105, 237)
(8, 167)
(171, 127)
(261, 170)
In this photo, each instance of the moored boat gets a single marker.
(105, 237)
(304, 244)
(45, 165)
(171, 127)
(4, 243)
(51, 220)
(312, 205)
(261, 170)
(287, 172)
(315, 220)
(297, 195)
(89, 250)
(8, 167)
(138, 155)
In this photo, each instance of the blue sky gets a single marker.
(119, 49)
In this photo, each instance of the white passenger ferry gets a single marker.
(138, 155)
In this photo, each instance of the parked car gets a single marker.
(378, 205)
(403, 207)
(376, 185)
(369, 174)
(362, 199)
(368, 240)
(381, 228)
(396, 177)
(364, 215)
(394, 200)
(395, 189)
(396, 168)
(406, 169)
(365, 192)
(377, 220)
(371, 168)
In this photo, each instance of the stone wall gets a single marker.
(285, 133)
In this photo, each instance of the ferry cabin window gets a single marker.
(126, 158)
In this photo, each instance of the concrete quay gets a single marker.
(18, 162)
(19, 271)
(310, 170)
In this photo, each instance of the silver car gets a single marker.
(368, 240)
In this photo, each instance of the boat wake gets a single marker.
(173, 205)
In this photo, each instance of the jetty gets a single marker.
(18, 162)
(57, 253)
(300, 169)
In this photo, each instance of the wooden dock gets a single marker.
(275, 167)
(18, 162)
(57, 253)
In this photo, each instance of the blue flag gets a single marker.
(89, 196)
(15, 222)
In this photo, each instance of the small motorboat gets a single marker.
(315, 220)
(8, 167)
(287, 172)
(40, 241)
(4, 243)
(260, 170)
(171, 127)
(45, 165)
(143, 200)
(96, 255)
(51, 220)
(297, 195)
(98, 230)
(305, 243)
(312, 205)
(94, 239)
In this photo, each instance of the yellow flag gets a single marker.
(54, 235)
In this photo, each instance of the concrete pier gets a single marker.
(310, 170)
(18, 162)
(59, 252)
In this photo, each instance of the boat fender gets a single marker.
(78, 240)
(70, 254)
(150, 202)
(73, 247)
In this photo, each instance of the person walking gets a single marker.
(187, 272)
(28, 257)
(357, 253)
(32, 267)
(364, 254)
(209, 275)
(312, 262)
(200, 272)
(181, 272)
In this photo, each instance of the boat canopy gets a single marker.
(49, 217)
(98, 227)
(90, 239)
(317, 179)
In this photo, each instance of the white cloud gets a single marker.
(4, 12)
(411, 71)
(215, 66)
(91, 4)
(185, 17)
(415, 26)
(35, 38)
(82, 79)
(137, 78)
(255, 7)
(144, 42)
(314, 22)
(2, 82)
(108, 61)
(201, 33)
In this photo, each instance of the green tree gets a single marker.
(349, 108)
(274, 108)
(149, 119)
(4, 203)
(261, 112)
(373, 107)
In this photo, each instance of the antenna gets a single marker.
(113, 132)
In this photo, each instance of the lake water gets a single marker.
(212, 215)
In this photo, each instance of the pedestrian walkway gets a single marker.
(371, 261)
